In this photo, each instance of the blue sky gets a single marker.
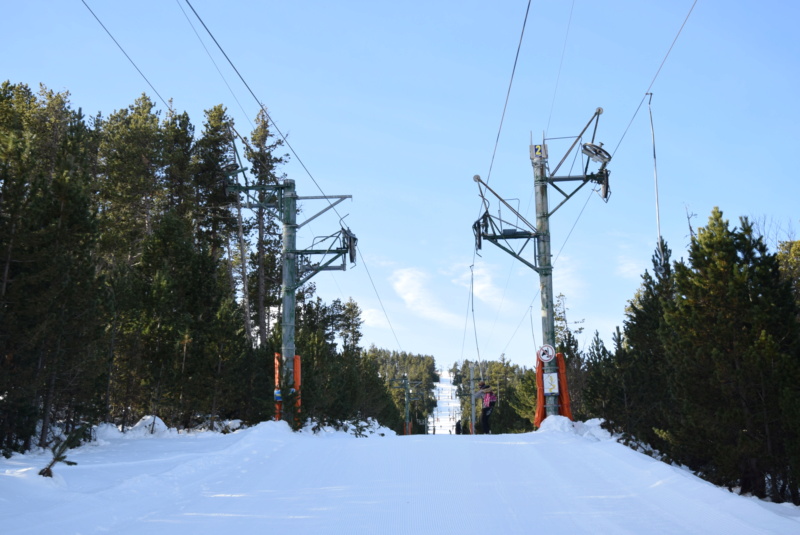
(399, 104)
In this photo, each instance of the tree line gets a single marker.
(133, 282)
(705, 371)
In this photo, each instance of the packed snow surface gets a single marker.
(566, 478)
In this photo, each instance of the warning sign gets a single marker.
(546, 353)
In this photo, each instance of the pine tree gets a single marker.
(523, 399)
(789, 258)
(732, 336)
(567, 343)
(49, 291)
(214, 155)
(603, 394)
(641, 361)
(266, 278)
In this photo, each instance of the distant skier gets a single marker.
(489, 400)
(458, 427)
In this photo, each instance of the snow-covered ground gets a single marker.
(565, 478)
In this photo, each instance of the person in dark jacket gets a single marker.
(489, 400)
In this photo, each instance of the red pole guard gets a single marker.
(540, 414)
(565, 406)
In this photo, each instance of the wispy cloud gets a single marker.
(411, 284)
(630, 267)
(566, 278)
(482, 278)
(373, 317)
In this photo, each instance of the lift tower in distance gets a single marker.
(507, 234)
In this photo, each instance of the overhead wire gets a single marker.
(166, 104)
(508, 92)
(560, 65)
(213, 61)
(654, 77)
(380, 300)
(263, 108)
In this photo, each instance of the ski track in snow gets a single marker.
(564, 479)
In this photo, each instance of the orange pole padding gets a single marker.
(564, 404)
(540, 404)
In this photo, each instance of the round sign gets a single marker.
(546, 353)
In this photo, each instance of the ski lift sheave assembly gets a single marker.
(595, 153)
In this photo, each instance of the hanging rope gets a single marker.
(655, 177)
(474, 325)
(654, 77)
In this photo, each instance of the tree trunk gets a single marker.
(107, 417)
(47, 408)
(7, 267)
(245, 290)
(262, 298)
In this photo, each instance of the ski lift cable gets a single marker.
(654, 77)
(127, 56)
(380, 301)
(263, 108)
(560, 65)
(508, 93)
(213, 61)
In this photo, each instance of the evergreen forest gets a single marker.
(133, 283)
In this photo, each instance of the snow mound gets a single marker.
(561, 424)
(105, 432)
(150, 426)
(362, 429)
